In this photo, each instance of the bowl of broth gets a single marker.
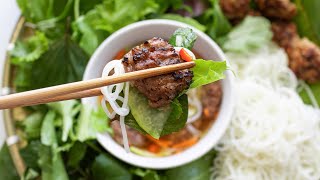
(210, 106)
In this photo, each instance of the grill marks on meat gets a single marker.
(156, 52)
(304, 55)
(279, 9)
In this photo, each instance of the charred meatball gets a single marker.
(279, 9)
(304, 55)
(304, 60)
(156, 52)
(235, 9)
(283, 33)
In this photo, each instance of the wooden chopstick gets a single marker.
(82, 89)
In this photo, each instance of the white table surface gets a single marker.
(9, 14)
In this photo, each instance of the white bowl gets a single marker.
(135, 34)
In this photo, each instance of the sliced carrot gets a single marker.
(120, 54)
(161, 143)
(184, 55)
(186, 143)
(154, 148)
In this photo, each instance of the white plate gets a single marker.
(9, 14)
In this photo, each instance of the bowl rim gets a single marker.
(192, 153)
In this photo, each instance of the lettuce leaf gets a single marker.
(67, 110)
(91, 122)
(251, 34)
(207, 71)
(91, 28)
(30, 49)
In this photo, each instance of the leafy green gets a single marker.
(105, 167)
(7, 168)
(30, 174)
(307, 19)
(36, 10)
(196, 170)
(145, 115)
(76, 154)
(146, 174)
(52, 166)
(217, 24)
(186, 38)
(131, 122)
(91, 28)
(207, 71)
(178, 116)
(48, 134)
(67, 110)
(30, 154)
(251, 34)
(64, 62)
(30, 49)
(315, 90)
(91, 122)
(32, 125)
(186, 20)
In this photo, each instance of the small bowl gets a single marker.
(135, 34)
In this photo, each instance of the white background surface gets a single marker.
(9, 14)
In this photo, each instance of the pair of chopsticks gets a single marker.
(82, 89)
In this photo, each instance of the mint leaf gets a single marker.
(183, 37)
(207, 71)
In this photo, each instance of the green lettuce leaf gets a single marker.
(307, 19)
(32, 125)
(30, 49)
(186, 20)
(187, 36)
(90, 123)
(251, 34)
(67, 110)
(91, 28)
(48, 132)
(207, 71)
